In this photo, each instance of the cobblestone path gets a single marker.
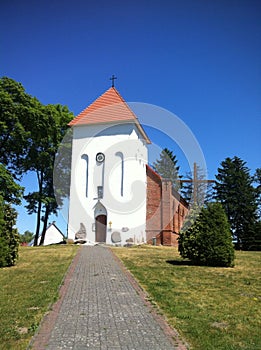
(102, 310)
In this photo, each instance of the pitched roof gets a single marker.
(57, 228)
(110, 107)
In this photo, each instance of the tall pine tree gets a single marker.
(166, 167)
(257, 181)
(197, 192)
(238, 197)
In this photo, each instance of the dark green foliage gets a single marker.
(46, 138)
(18, 111)
(10, 193)
(254, 239)
(167, 167)
(238, 197)
(26, 237)
(257, 181)
(9, 238)
(197, 191)
(191, 217)
(208, 241)
(9, 189)
(30, 134)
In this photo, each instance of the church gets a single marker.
(115, 196)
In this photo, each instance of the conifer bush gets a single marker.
(9, 238)
(208, 241)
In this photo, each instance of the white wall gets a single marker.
(127, 211)
(52, 236)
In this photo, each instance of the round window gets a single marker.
(100, 157)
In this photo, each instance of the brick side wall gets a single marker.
(166, 210)
(154, 194)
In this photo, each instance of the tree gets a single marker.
(197, 190)
(10, 193)
(46, 136)
(9, 238)
(17, 111)
(208, 241)
(257, 181)
(26, 237)
(191, 217)
(166, 167)
(234, 190)
(30, 134)
(256, 241)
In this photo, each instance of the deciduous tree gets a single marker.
(45, 138)
(26, 237)
(10, 191)
(17, 113)
(30, 134)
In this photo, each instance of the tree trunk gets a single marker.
(39, 209)
(46, 216)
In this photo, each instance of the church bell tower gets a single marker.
(108, 173)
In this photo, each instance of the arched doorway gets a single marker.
(100, 215)
(100, 228)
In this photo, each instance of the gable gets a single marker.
(52, 235)
(109, 108)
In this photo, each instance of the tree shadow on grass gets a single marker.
(190, 263)
(180, 262)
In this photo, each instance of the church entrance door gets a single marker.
(100, 228)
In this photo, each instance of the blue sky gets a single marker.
(199, 59)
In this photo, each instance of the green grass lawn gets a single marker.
(212, 308)
(28, 289)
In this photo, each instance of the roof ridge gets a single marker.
(126, 103)
(117, 92)
(110, 107)
(81, 114)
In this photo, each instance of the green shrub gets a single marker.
(9, 238)
(208, 241)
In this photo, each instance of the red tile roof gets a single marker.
(110, 107)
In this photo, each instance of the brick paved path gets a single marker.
(102, 310)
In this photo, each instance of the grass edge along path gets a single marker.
(169, 331)
(211, 308)
(28, 290)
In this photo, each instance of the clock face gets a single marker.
(100, 157)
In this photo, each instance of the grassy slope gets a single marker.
(28, 289)
(212, 308)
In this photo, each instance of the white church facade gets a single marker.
(109, 200)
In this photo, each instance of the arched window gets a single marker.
(119, 154)
(86, 158)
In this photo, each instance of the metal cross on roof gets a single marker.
(112, 80)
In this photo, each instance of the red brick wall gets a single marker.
(180, 212)
(153, 216)
(166, 210)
